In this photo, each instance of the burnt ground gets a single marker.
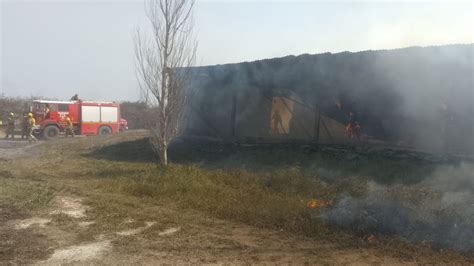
(70, 201)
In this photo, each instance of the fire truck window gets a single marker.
(39, 108)
(63, 108)
(53, 107)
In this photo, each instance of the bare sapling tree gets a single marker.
(163, 61)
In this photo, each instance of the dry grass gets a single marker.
(264, 188)
(268, 189)
(236, 194)
(24, 194)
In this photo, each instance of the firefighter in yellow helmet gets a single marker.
(31, 127)
(69, 127)
(24, 126)
(10, 130)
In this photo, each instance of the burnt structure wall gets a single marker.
(421, 97)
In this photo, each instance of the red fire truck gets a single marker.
(88, 118)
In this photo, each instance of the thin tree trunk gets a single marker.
(163, 67)
(164, 155)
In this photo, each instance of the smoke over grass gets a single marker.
(438, 210)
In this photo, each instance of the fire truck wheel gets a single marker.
(50, 132)
(105, 130)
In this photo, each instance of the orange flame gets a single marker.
(314, 203)
(371, 238)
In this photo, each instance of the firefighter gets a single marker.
(350, 125)
(46, 112)
(356, 130)
(69, 128)
(10, 130)
(24, 126)
(31, 127)
(75, 97)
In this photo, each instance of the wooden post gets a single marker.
(327, 131)
(233, 114)
(317, 125)
(317, 121)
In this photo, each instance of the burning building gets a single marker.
(420, 97)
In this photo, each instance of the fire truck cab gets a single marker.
(88, 118)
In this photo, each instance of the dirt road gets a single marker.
(49, 216)
(10, 149)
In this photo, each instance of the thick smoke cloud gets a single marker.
(416, 97)
(439, 210)
(420, 97)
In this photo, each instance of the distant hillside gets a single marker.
(422, 96)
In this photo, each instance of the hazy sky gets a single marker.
(58, 48)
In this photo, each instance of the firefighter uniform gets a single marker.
(31, 127)
(10, 130)
(69, 128)
(24, 127)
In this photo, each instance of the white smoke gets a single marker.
(439, 209)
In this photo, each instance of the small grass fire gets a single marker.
(319, 203)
